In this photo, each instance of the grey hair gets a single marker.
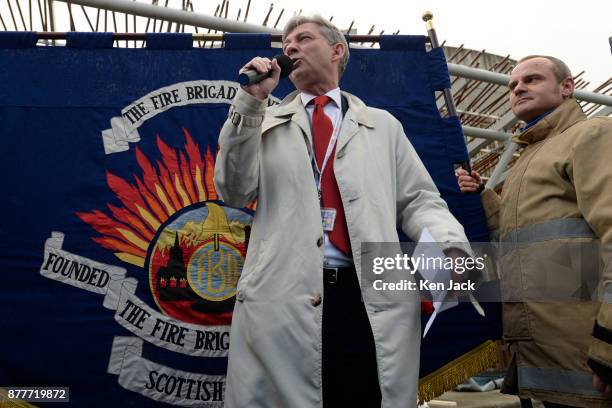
(560, 68)
(329, 31)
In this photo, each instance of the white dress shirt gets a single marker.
(333, 256)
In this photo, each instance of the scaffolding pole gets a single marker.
(502, 79)
(174, 15)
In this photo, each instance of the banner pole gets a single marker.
(433, 39)
(448, 96)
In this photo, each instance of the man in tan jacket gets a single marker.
(556, 204)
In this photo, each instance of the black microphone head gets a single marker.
(285, 63)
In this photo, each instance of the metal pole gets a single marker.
(174, 15)
(48, 35)
(478, 74)
(433, 38)
(448, 96)
(502, 79)
(510, 148)
(51, 16)
(486, 133)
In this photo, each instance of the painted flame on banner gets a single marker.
(172, 224)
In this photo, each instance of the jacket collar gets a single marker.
(291, 108)
(566, 115)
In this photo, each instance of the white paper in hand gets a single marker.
(427, 248)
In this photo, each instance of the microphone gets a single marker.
(251, 76)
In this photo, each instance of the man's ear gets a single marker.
(567, 87)
(338, 51)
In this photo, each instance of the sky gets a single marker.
(576, 31)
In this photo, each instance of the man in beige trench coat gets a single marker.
(301, 336)
(556, 203)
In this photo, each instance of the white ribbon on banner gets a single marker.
(162, 383)
(131, 312)
(164, 331)
(124, 128)
(81, 272)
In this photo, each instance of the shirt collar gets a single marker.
(334, 94)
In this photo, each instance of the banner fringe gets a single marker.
(457, 371)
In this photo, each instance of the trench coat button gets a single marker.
(316, 300)
(320, 242)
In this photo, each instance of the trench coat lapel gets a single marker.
(291, 109)
(355, 115)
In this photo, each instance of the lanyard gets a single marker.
(328, 153)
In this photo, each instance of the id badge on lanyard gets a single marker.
(328, 216)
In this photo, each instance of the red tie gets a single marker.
(322, 130)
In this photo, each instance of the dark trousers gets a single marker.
(349, 359)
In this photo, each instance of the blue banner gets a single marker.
(118, 261)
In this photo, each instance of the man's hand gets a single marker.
(262, 89)
(454, 254)
(602, 386)
(468, 183)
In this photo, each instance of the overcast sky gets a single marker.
(576, 31)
